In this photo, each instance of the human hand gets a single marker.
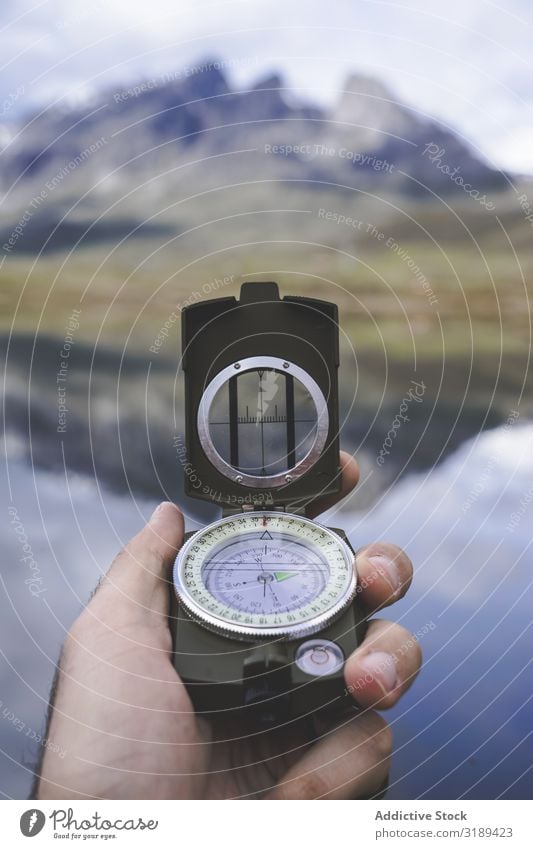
(126, 722)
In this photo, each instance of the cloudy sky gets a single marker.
(468, 62)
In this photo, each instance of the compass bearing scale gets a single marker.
(264, 610)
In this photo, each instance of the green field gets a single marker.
(477, 265)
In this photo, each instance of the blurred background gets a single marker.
(378, 154)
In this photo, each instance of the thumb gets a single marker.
(140, 572)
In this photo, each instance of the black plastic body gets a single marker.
(259, 682)
(222, 331)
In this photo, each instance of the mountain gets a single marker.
(178, 189)
(167, 138)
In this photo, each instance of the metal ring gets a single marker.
(251, 633)
(255, 364)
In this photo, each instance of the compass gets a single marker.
(264, 611)
(265, 575)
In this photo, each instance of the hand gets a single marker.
(127, 725)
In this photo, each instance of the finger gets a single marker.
(140, 570)
(351, 762)
(384, 574)
(384, 666)
(349, 479)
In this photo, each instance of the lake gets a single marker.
(463, 731)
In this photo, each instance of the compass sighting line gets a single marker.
(233, 426)
(260, 390)
(291, 429)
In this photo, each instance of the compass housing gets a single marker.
(261, 398)
(253, 676)
(264, 608)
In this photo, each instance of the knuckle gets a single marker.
(408, 645)
(124, 552)
(401, 635)
(386, 635)
(310, 786)
(152, 553)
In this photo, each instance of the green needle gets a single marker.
(282, 576)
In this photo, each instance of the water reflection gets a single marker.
(463, 730)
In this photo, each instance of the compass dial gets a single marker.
(265, 573)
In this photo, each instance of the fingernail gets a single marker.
(382, 667)
(157, 511)
(385, 565)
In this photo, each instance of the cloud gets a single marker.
(467, 63)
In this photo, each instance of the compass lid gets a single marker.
(261, 398)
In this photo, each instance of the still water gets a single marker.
(463, 731)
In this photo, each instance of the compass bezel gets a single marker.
(252, 633)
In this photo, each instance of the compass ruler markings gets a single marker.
(275, 419)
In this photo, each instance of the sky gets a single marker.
(466, 62)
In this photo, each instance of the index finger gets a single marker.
(349, 479)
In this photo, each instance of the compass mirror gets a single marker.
(263, 422)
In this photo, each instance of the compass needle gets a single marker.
(282, 576)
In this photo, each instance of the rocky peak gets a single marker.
(368, 103)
